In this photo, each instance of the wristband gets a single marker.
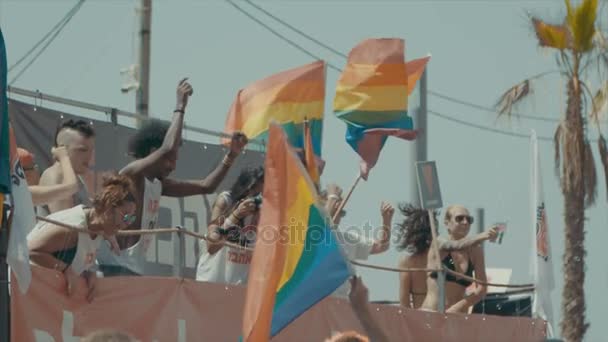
(177, 110)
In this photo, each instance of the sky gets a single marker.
(479, 49)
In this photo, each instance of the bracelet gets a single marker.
(177, 110)
(333, 196)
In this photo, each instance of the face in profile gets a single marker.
(459, 222)
(80, 150)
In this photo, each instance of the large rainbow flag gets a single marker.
(371, 96)
(297, 260)
(289, 98)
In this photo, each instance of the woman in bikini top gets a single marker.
(461, 254)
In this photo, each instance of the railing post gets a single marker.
(179, 255)
(441, 284)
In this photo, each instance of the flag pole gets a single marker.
(343, 203)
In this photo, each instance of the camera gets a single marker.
(257, 200)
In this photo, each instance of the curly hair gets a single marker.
(80, 126)
(116, 190)
(414, 233)
(150, 136)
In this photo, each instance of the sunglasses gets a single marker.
(461, 218)
(129, 219)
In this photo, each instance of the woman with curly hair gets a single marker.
(73, 253)
(415, 238)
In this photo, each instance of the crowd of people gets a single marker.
(129, 200)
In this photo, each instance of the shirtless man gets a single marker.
(155, 148)
(78, 138)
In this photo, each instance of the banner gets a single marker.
(171, 309)
(35, 130)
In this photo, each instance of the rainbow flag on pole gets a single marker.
(297, 260)
(289, 98)
(371, 96)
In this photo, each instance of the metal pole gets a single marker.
(480, 220)
(143, 92)
(419, 146)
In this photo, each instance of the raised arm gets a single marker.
(172, 139)
(479, 264)
(468, 242)
(182, 188)
(383, 243)
(44, 194)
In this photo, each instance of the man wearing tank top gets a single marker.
(78, 137)
(155, 148)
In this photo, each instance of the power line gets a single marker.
(484, 128)
(341, 54)
(48, 34)
(282, 37)
(53, 33)
(443, 116)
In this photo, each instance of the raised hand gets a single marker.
(237, 143)
(387, 211)
(184, 91)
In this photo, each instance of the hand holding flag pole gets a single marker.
(343, 203)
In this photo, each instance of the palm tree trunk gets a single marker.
(573, 324)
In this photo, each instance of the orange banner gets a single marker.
(170, 309)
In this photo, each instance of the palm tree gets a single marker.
(580, 49)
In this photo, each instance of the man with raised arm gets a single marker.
(78, 137)
(155, 148)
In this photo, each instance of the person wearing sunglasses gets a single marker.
(460, 253)
(73, 253)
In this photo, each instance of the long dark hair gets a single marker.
(247, 179)
(414, 233)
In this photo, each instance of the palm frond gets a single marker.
(581, 24)
(549, 35)
(590, 177)
(512, 97)
(599, 103)
(604, 158)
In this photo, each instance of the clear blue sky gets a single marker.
(479, 49)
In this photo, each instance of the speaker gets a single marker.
(504, 305)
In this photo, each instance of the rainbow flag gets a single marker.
(289, 98)
(309, 155)
(297, 260)
(5, 173)
(371, 96)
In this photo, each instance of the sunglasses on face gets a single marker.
(128, 219)
(461, 218)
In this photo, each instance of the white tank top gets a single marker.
(86, 247)
(134, 257)
(228, 265)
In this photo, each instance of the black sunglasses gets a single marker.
(461, 218)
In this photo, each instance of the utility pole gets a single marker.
(143, 92)
(419, 146)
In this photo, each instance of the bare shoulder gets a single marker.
(406, 260)
(476, 251)
(51, 176)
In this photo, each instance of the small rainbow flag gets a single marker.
(289, 98)
(297, 260)
(371, 96)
